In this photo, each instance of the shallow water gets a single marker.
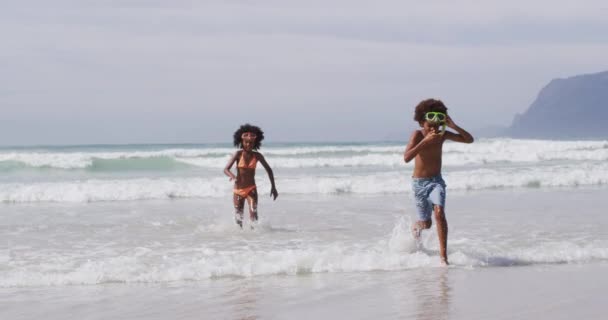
(191, 240)
(95, 239)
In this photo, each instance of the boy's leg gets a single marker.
(424, 210)
(419, 226)
(239, 205)
(442, 232)
(437, 196)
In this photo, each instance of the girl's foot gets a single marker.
(239, 221)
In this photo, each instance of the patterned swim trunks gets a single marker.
(428, 192)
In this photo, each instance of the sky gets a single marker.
(176, 71)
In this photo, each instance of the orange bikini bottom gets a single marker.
(244, 192)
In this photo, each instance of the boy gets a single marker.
(425, 146)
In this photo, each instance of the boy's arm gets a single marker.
(273, 189)
(419, 142)
(229, 166)
(462, 135)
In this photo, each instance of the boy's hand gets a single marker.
(432, 137)
(449, 122)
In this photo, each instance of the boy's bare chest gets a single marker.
(432, 152)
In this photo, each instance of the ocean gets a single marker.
(145, 172)
(147, 231)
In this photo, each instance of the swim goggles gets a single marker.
(438, 118)
(435, 116)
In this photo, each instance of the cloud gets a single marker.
(195, 68)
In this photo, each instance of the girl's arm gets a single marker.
(273, 189)
(229, 166)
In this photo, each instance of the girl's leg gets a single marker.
(239, 205)
(252, 200)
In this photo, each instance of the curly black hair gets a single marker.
(428, 105)
(238, 141)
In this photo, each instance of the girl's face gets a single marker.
(248, 139)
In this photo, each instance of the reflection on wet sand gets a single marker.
(243, 300)
(433, 295)
(423, 294)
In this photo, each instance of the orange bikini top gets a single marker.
(252, 163)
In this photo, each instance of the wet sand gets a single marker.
(529, 292)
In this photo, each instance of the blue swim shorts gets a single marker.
(428, 192)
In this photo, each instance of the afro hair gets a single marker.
(428, 105)
(238, 140)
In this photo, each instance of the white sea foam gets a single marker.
(339, 169)
(585, 174)
(79, 160)
(481, 152)
(113, 190)
(144, 265)
(401, 239)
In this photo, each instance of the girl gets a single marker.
(249, 139)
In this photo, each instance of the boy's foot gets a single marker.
(444, 262)
(416, 233)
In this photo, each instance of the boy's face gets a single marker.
(433, 121)
(432, 127)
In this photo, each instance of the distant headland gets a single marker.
(571, 108)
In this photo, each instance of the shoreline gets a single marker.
(528, 292)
